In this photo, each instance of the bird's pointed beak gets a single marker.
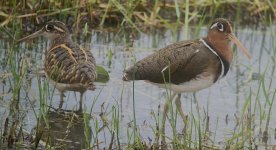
(245, 51)
(36, 34)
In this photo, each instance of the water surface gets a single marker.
(223, 102)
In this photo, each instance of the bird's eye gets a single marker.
(220, 27)
(49, 27)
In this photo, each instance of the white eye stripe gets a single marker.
(48, 28)
(214, 25)
(59, 29)
(221, 28)
(51, 27)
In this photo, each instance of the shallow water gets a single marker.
(224, 101)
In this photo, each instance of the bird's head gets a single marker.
(51, 30)
(221, 31)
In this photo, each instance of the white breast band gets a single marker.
(222, 65)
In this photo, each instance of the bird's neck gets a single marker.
(222, 47)
(61, 39)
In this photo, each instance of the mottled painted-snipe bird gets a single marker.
(67, 65)
(189, 66)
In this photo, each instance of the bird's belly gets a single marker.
(79, 87)
(199, 83)
(70, 87)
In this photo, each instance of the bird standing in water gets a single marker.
(68, 66)
(189, 66)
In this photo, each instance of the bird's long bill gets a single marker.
(239, 44)
(36, 34)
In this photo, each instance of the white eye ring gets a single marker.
(218, 25)
(49, 27)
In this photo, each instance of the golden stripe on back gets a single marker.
(84, 53)
(69, 50)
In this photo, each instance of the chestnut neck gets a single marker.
(221, 46)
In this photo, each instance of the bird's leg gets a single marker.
(61, 99)
(179, 108)
(165, 111)
(80, 107)
(182, 114)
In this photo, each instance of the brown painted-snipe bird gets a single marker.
(67, 65)
(189, 66)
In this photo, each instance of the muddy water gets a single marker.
(223, 103)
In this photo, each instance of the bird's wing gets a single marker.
(167, 63)
(68, 63)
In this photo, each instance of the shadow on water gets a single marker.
(237, 107)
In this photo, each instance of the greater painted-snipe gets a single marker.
(68, 66)
(189, 66)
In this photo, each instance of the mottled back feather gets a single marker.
(67, 62)
(176, 63)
